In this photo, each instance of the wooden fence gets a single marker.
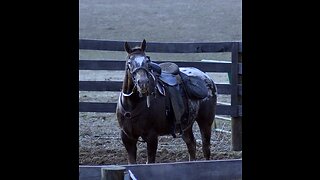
(233, 68)
(210, 169)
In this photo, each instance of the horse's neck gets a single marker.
(127, 85)
(127, 88)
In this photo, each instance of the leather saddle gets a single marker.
(180, 85)
(171, 75)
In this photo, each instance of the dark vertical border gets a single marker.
(45, 115)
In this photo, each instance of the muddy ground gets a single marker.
(162, 21)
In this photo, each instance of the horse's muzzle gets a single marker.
(143, 85)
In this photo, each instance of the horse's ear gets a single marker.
(143, 45)
(127, 48)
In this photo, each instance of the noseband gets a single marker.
(138, 69)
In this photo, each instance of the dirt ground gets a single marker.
(161, 21)
(100, 143)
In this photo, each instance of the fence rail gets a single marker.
(211, 169)
(158, 47)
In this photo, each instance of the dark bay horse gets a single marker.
(143, 109)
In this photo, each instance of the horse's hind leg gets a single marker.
(205, 130)
(131, 147)
(189, 139)
(205, 120)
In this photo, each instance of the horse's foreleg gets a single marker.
(189, 139)
(131, 147)
(152, 145)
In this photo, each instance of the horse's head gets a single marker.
(138, 67)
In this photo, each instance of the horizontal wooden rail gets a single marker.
(210, 47)
(102, 107)
(117, 85)
(120, 65)
(100, 85)
(194, 170)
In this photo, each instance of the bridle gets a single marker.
(133, 71)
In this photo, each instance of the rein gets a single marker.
(127, 95)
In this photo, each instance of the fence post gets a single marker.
(112, 172)
(236, 98)
(236, 129)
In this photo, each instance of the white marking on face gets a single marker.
(139, 60)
